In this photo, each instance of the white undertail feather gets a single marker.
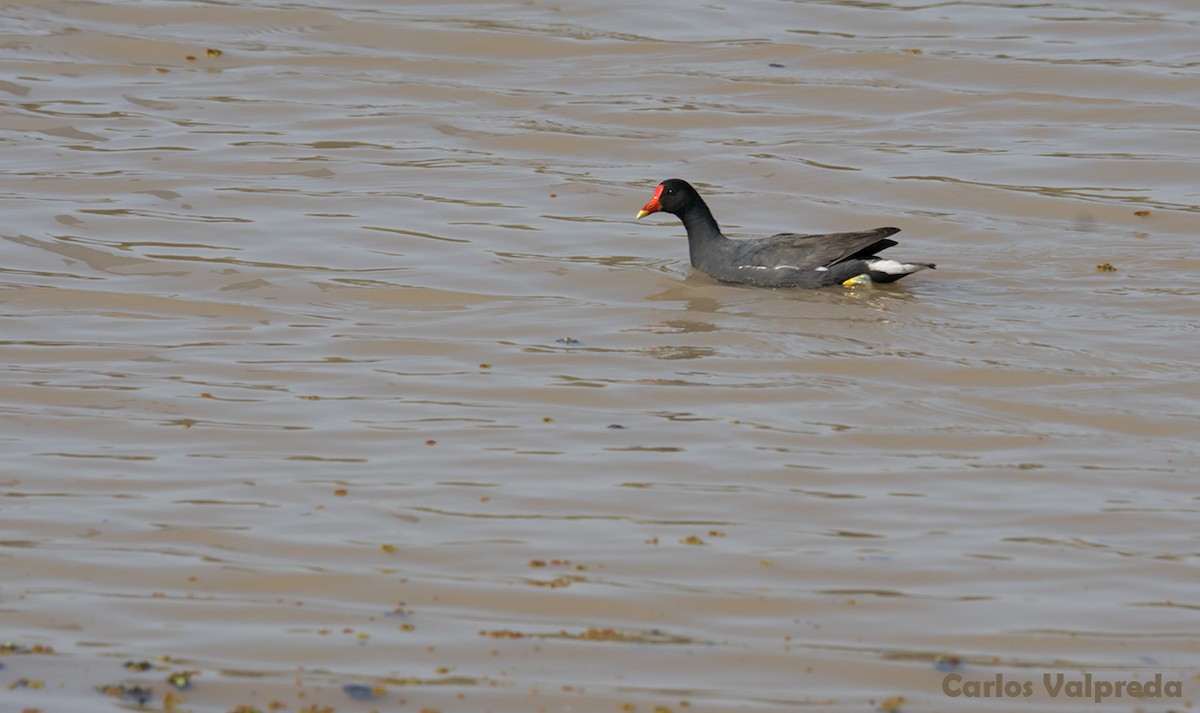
(894, 267)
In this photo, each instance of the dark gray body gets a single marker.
(783, 260)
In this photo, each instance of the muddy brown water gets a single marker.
(335, 357)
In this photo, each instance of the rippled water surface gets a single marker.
(336, 368)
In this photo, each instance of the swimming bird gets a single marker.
(783, 260)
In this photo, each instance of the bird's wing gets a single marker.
(812, 251)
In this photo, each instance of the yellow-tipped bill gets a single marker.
(652, 206)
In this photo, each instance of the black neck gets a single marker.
(701, 227)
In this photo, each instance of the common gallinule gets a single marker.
(783, 260)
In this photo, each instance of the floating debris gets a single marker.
(567, 340)
(1142, 213)
(399, 611)
(136, 666)
(139, 694)
(691, 540)
(947, 662)
(892, 704)
(503, 634)
(12, 647)
(556, 563)
(775, 65)
(557, 582)
(213, 52)
(170, 700)
(1105, 267)
(361, 692)
(913, 51)
(653, 636)
(182, 680)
